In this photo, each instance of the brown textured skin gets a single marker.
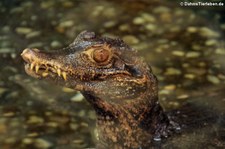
(115, 80)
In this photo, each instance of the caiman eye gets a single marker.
(100, 55)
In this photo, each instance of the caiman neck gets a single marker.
(133, 125)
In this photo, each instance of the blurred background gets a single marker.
(185, 45)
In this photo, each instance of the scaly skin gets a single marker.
(115, 80)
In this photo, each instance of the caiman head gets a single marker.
(113, 78)
(102, 67)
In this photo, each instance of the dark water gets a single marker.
(184, 45)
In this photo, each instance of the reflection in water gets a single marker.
(184, 45)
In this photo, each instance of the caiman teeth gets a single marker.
(44, 74)
(32, 66)
(54, 69)
(64, 75)
(59, 72)
(37, 68)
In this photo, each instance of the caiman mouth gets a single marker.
(40, 67)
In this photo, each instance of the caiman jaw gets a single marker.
(41, 68)
(40, 65)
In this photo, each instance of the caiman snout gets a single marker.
(37, 64)
(29, 54)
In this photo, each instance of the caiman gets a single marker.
(118, 84)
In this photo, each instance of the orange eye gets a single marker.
(100, 55)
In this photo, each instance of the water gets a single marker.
(184, 45)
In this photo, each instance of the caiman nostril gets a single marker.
(25, 51)
(35, 50)
(28, 53)
(28, 50)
